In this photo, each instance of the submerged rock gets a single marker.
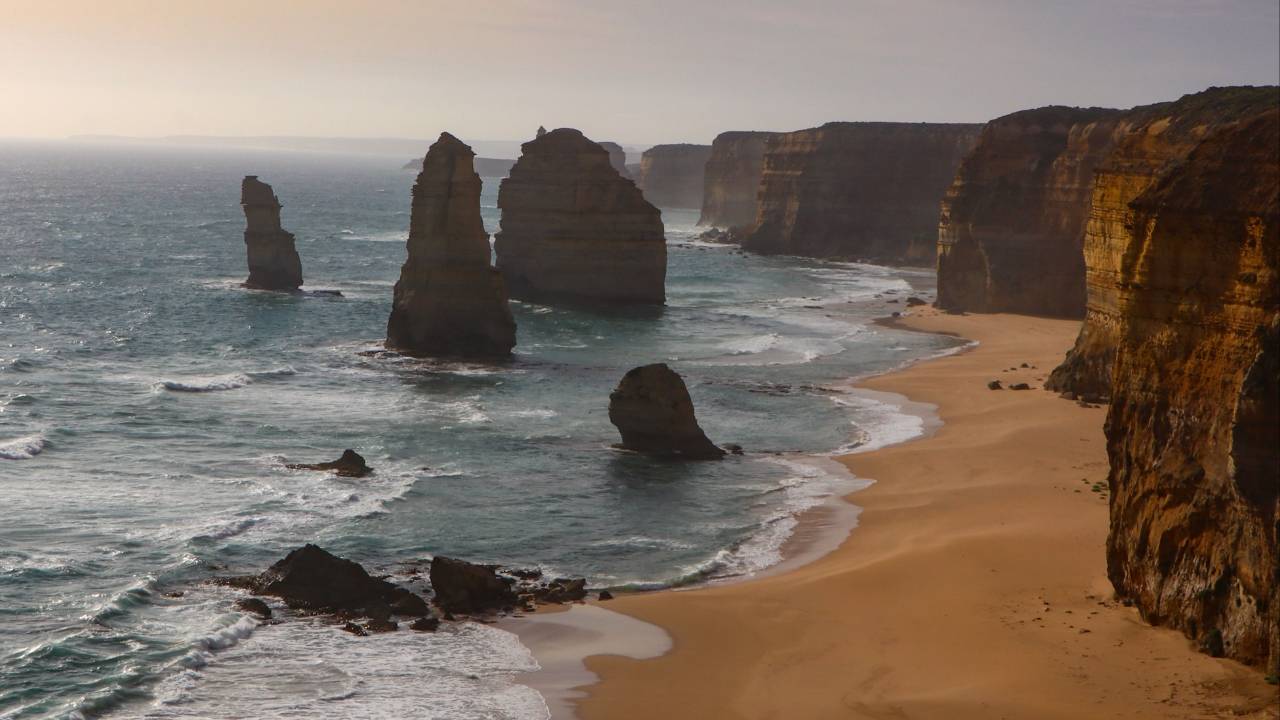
(273, 259)
(654, 414)
(449, 300)
(351, 464)
(575, 230)
(255, 606)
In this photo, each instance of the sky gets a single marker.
(640, 71)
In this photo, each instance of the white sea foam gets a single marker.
(23, 448)
(206, 384)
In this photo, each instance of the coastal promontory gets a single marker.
(449, 300)
(857, 190)
(1011, 231)
(732, 179)
(575, 230)
(273, 258)
(671, 176)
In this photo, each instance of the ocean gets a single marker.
(148, 405)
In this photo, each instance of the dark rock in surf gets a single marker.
(654, 414)
(351, 464)
(463, 587)
(310, 578)
(254, 606)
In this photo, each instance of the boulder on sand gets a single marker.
(652, 410)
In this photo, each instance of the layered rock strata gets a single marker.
(863, 191)
(672, 176)
(1011, 230)
(1195, 409)
(732, 179)
(449, 300)
(654, 414)
(575, 230)
(1150, 141)
(273, 259)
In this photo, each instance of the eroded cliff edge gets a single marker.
(449, 300)
(866, 191)
(575, 230)
(732, 178)
(1150, 141)
(1195, 410)
(672, 176)
(1011, 226)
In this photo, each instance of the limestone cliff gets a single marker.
(1011, 227)
(617, 157)
(1192, 431)
(732, 179)
(1150, 141)
(573, 229)
(449, 301)
(671, 176)
(857, 190)
(654, 414)
(273, 260)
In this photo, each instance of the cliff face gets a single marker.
(449, 300)
(574, 229)
(617, 157)
(857, 190)
(1192, 427)
(273, 260)
(1011, 227)
(671, 176)
(1150, 140)
(732, 179)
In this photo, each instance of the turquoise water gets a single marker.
(148, 404)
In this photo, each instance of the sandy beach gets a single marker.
(973, 587)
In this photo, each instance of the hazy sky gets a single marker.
(640, 71)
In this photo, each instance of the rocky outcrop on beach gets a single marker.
(859, 191)
(463, 587)
(350, 464)
(273, 259)
(310, 578)
(1195, 402)
(732, 179)
(672, 176)
(654, 414)
(449, 300)
(1011, 232)
(1151, 140)
(575, 230)
(617, 157)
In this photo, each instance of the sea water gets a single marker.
(148, 405)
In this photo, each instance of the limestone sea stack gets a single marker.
(1192, 432)
(861, 191)
(617, 157)
(449, 300)
(1152, 140)
(574, 230)
(672, 176)
(653, 412)
(732, 179)
(273, 259)
(1011, 231)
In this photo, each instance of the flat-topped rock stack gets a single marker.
(273, 258)
(449, 300)
(574, 230)
(617, 157)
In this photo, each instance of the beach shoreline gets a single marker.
(971, 588)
